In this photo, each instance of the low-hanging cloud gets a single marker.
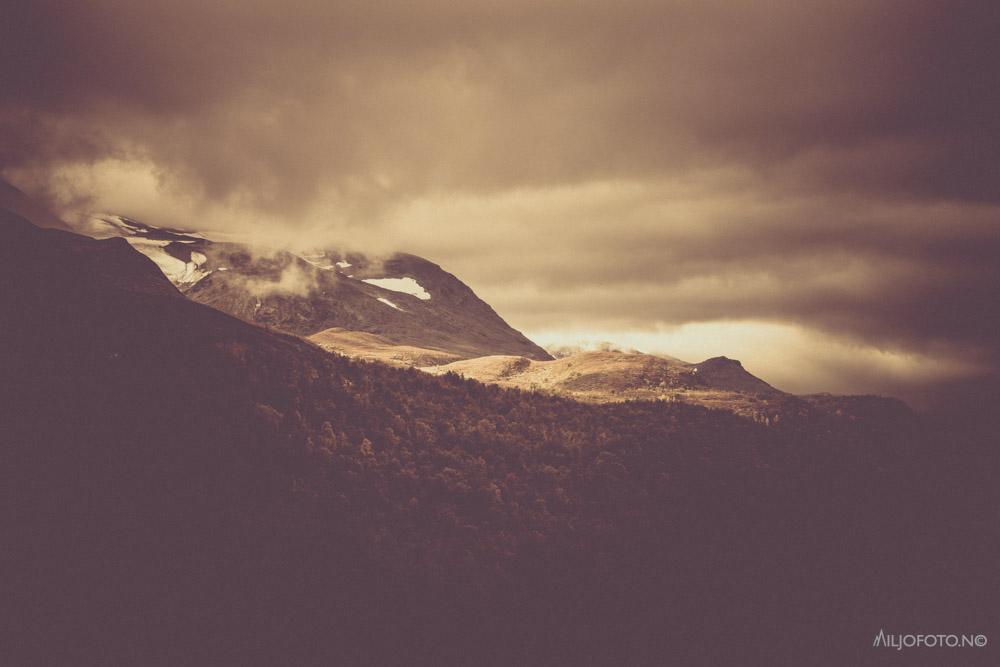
(292, 281)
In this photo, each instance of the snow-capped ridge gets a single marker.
(176, 270)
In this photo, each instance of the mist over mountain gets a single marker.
(403, 299)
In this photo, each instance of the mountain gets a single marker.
(188, 488)
(401, 299)
(613, 375)
(183, 487)
(608, 376)
(728, 375)
(406, 311)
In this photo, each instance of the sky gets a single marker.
(810, 187)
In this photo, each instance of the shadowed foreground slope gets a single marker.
(185, 488)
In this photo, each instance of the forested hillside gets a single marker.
(187, 488)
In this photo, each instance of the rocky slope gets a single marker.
(402, 299)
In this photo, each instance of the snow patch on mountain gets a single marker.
(405, 285)
(177, 271)
(107, 226)
(390, 304)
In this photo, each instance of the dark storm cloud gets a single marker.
(479, 95)
(835, 165)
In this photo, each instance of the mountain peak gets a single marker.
(726, 373)
(722, 361)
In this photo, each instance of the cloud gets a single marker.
(891, 273)
(278, 101)
(293, 281)
(618, 166)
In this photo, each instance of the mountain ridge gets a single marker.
(403, 298)
(610, 376)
